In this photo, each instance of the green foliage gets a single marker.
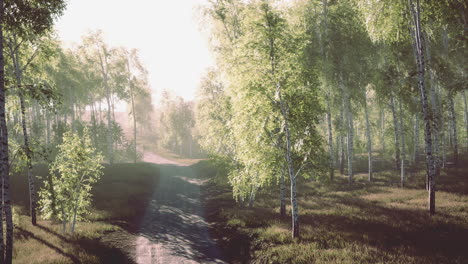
(176, 125)
(75, 170)
(239, 109)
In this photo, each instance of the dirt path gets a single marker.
(173, 228)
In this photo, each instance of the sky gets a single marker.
(166, 33)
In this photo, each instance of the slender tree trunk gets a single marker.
(350, 131)
(369, 138)
(403, 153)
(443, 138)
(47, 127)
(342, 148)
(330, 139)
(282, 192)
(31, 181)
(72, 107)
(104, 67)
(253, 191)
(109, 130)
(465, 104)
(3, 137)
(18, 75)
(416, 138)
(64, 220)
(100, 111)
(397, 133)
(418, 43)
(350, 145)
(435, 112)
(453, 119)
(292, 176)
(132, 98)
(435, 126)
(5, 170)
(382, 130)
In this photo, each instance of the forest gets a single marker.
(327, 131)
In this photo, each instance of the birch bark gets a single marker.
(4, 166)
(453, 123)
(397, 133)
(369, 138)
(418, 43)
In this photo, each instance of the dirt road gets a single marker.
(173, 228)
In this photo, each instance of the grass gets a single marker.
(340, 223)
(119, 200)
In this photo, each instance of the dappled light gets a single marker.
(233, 131)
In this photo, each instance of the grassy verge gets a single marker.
(119, 201)
(340, 223)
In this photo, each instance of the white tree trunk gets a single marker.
(369, 139)
(382, 131)
(282, 193)
(419, 51)
(397, 133)
(342, 144)
(453, 119)
(350, 131)
(416, 139)
(330, 139)
(403, 154)
(465, 104)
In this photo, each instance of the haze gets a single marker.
(166, 33)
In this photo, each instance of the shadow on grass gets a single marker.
(119, 198)
(24, 234)
(334, 216)
(52, 232)
(79, 244)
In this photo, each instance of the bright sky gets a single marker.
(165, 31)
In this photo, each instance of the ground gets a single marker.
(364, 222)
(183, 213)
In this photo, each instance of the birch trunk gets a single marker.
(31, 182)
(132, 100)
(418, 44)
(350, 145)
(292, 176)
(444, 140)
(282, 193)
(465, 104)
(47, 127)
(350, 131)
(453, 119)
(3, 136)
(104, 66)
(18, 75)
(342, 148)
(435, 112)
(397, 133)
(369, 139)
(403, 153)
(416, 139)
(330, 139)
(435, 125)
(382, 130)
(5, 174)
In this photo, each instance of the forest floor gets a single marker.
(142, 213)
(119, 201)
(363, 222)
(184, 213)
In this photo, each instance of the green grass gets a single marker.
(119, 201)
(360, 223)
